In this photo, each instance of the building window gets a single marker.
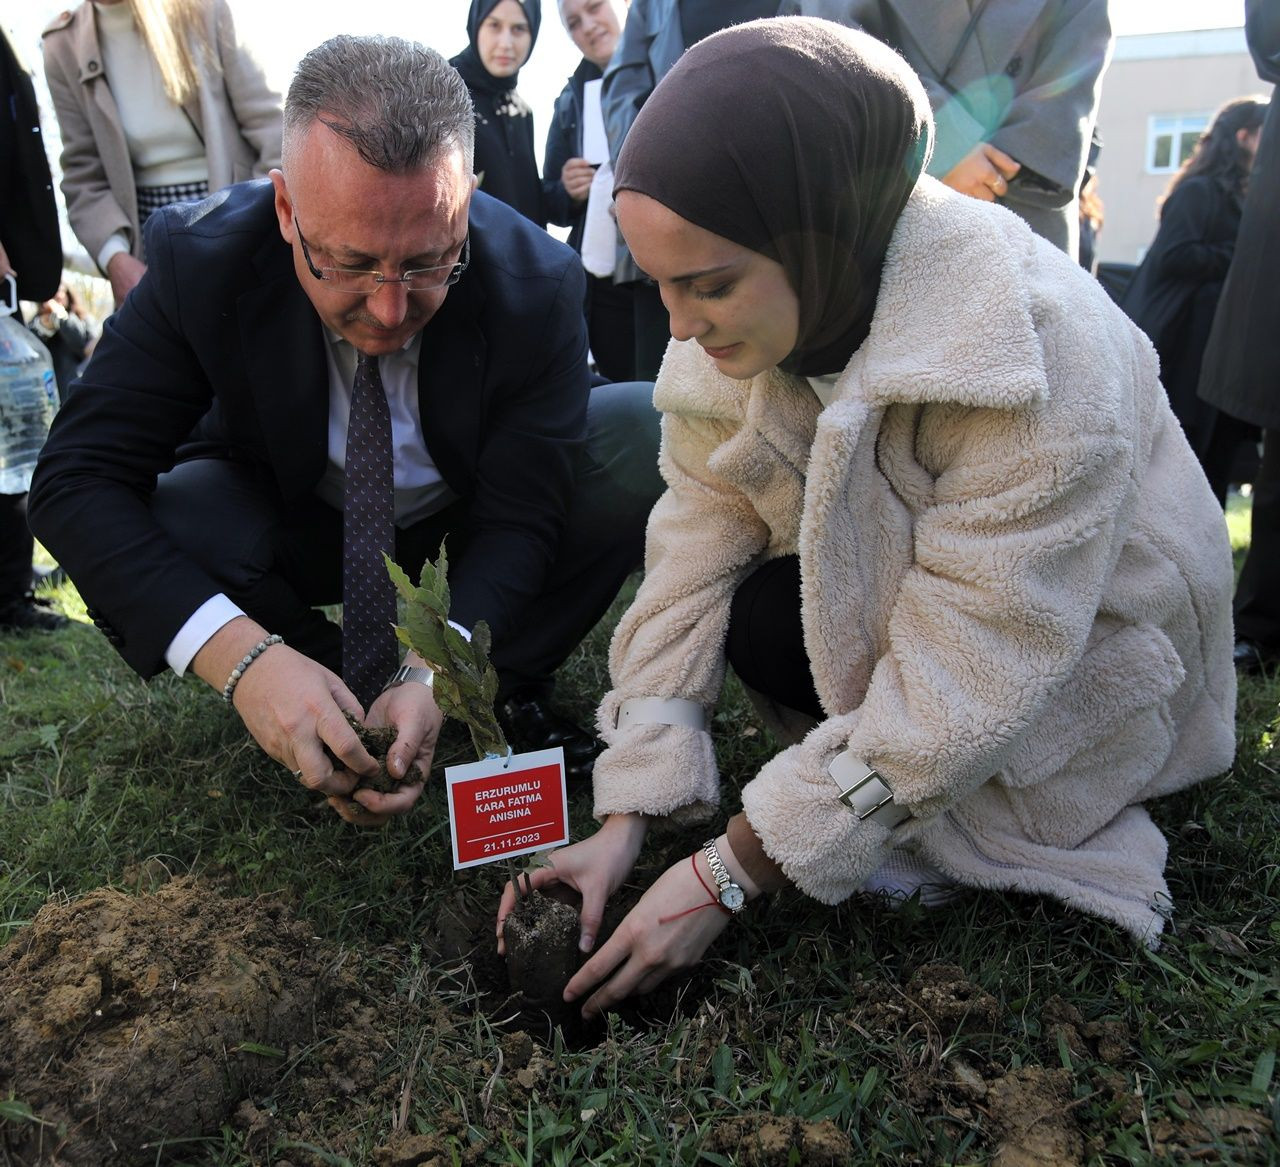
(1171, 139)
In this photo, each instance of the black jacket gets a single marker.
(28, 214)
(564, 141)
(1242, 357)
(1175, 291)
(219, 329)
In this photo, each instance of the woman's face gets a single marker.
(504, 39)
(594, 26)
(736, 303)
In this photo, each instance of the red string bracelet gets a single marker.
(713, 902)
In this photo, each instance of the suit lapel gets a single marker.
(288, 376)
(452, 387)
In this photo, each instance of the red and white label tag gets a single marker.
(501, 807)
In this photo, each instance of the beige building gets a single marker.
(1158, 95)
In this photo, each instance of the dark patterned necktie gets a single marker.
(368, 529)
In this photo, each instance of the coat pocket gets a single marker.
(1105, 735)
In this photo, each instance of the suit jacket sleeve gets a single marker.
(89, 504)
(531, 438)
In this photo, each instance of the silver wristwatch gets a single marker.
(410, 673)
(732, 897)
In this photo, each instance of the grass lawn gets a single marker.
(1002, 1030)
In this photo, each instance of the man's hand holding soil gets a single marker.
(296, 709)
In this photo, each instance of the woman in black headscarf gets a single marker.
(925, 496)
(502, 35)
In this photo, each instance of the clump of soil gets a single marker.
(377, 740)
(541, 939)
(130, 1021)
(951, 1000)
(1032, 1110)
(773, 1140)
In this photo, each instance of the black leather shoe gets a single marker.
(530, 724)
(27, 614)
(1252, 658)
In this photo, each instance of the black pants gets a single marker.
(1257, 603)
(653, 329)
(278, 564)
(16, 546)
(765, 642)
(611, 325)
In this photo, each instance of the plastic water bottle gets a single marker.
(28, 396)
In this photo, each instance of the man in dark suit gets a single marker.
(239, 356)
(30, 251)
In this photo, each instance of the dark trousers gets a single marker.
(611, 326)
(278, 564)
(765, 642)
(653, 329)
(16, 546)
(1257, 603)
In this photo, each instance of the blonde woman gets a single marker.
(158, 102)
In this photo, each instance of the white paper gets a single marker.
(595, 144)
(600, 230)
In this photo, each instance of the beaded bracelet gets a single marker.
(252, 655)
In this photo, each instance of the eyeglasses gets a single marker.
(365, 283)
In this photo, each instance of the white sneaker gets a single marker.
(903, 874)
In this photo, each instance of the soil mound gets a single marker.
(127, 1021)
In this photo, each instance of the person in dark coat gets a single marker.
(1241, 370)
(30, 251)
(1175, 291)
(502, 34)
(594, 26)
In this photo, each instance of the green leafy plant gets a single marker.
(465, 682)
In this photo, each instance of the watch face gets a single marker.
(733, 897)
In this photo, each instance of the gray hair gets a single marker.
(400, 104)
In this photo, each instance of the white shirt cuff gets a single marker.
(213, 614)
(112, 247)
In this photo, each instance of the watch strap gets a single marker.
(422, 676)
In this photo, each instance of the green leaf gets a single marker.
(466, 683)
(1263, 1069)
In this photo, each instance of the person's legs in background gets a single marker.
(612, 327)
(653, 329)
(20, 611)
(1257, 602)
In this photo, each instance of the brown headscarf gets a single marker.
(797, 138)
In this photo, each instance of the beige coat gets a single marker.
(236, 113)
(1016, 582)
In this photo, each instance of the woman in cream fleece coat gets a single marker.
(1014, 581)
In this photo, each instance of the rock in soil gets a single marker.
(128, 1021)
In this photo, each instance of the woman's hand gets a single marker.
(576, 175)
(124, 272)
(669, 929)
(595, 868)
(984, 173)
